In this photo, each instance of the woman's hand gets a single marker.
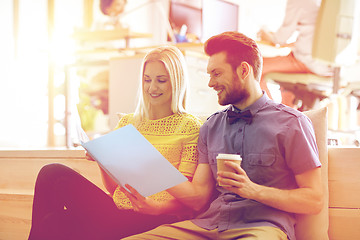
(88, 157)
(140, 203)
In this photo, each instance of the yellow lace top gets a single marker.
(175, 137)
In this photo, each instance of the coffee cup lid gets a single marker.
(228, 156)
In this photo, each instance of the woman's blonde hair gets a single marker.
(175, 65)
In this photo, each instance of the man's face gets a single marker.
(229, 87)
(116, 8)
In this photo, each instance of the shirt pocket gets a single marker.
(260, 167)
(261, 159)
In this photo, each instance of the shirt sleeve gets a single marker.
(302, 153)
(125, 120)
(202, 147)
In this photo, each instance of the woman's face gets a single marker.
(157, 85)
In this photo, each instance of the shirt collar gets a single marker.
(255, 107)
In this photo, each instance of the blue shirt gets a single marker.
(277, 145)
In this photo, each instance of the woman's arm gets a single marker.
(108, 182)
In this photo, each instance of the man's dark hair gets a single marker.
(238, 48)
(104, 5)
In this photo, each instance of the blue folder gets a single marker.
(129, 158)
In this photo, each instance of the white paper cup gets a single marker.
(222, 157)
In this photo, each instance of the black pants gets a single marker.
(67, 206)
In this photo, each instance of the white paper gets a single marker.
(129, 158)
(83, 137)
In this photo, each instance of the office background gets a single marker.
(38, 44)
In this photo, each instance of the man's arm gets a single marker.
(188, 195)
(306, 199)
(150, 206)
(197, 193)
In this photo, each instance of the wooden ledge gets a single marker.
(16, 195)
(42, 153)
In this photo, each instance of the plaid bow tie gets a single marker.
(235, 116)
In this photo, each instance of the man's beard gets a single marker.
(238, 93)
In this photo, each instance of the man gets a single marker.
(280, 170)
(113, 10)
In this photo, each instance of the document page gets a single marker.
(129, 158)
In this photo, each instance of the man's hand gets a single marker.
(140, 203)
(306, 199)
(238, 182)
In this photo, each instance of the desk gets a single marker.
(109, 35)
(268, 50)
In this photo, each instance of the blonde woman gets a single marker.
(68, 206)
